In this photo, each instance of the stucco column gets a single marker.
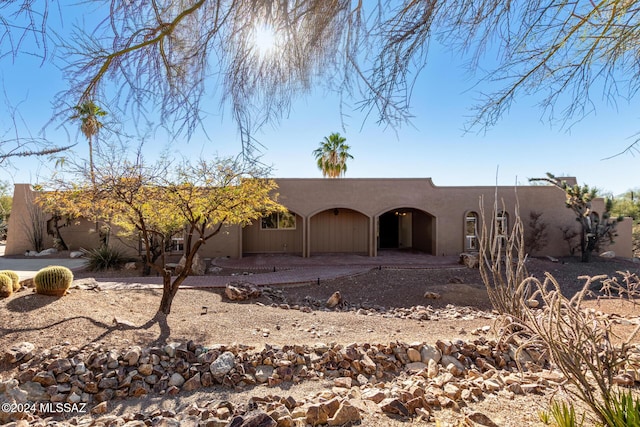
(373, 247)
(307, 238)
(304, 237)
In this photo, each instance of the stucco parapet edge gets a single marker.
(424, 180)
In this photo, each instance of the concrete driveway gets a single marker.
(28, 267)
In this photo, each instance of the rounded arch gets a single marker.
(338, 230)
(331, 208)
(406, 227)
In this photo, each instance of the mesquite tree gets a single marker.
(595, 228)
(145, 203)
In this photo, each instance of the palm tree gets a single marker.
(88, 113)
(332, 155)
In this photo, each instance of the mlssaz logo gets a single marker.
(61, 407)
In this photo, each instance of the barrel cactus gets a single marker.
(14, 278)
(53, 280)
(6, 286)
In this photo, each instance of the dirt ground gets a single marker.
(372, 312)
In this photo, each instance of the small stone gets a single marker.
(533, 303)
(415, 366)
(429, 352)
(414, 355)
(44, 378)
(192, 383)
(345, 415)
(394, 406)
(482, 419)
(100, 408)
(334, 300)
(176, 380)
(222, 365)
(133, 355)
(21, 351)
(344, 382)
(316, 415)
(145, 369)
(263, 372)
(432, 295)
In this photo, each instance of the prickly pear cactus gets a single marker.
(6, 286)
(14, 278)
(53, 280)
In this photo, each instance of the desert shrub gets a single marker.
(14, 278)
(502, 264)
(576, 340)
(104, 258)
(53, 280)
(6, 286)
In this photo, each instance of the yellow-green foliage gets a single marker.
(14, 278)
(53, 280)
(6, 286)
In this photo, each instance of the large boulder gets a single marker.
(241, 291)
(470, 260)
(198, 266)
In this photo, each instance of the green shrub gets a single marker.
(622, 410)
(14, 278)
(6, 286)
(104, 258)
(53, 280)
(563, 415)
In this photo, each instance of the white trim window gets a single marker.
(502, 224)
(471, 232)
(279, 221)
(177, 244)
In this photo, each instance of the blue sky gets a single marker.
(520, 146)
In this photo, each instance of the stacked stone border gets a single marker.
(397, 379)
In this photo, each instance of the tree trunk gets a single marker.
(169, 291)
(586, 256)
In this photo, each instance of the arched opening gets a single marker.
(339, 230)
(406, 228)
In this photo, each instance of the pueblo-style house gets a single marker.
(364, 216)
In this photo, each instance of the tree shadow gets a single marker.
(29, 302)
(159, 318)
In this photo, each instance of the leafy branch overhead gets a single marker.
(170, 54)
(595, 228)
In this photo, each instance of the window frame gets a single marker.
(471, 241)
(279, 221)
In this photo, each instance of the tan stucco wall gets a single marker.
(438, 225)
(258, 240)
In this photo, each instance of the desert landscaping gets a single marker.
(401, 346)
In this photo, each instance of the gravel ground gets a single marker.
(119, 319)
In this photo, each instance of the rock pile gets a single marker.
(397, 379)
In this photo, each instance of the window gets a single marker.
(279, 221)
(177, 244)
(471, 231)
(502, 224)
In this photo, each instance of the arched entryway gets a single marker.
(339, 230)
(406, 228)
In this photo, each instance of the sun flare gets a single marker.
(265, 39)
